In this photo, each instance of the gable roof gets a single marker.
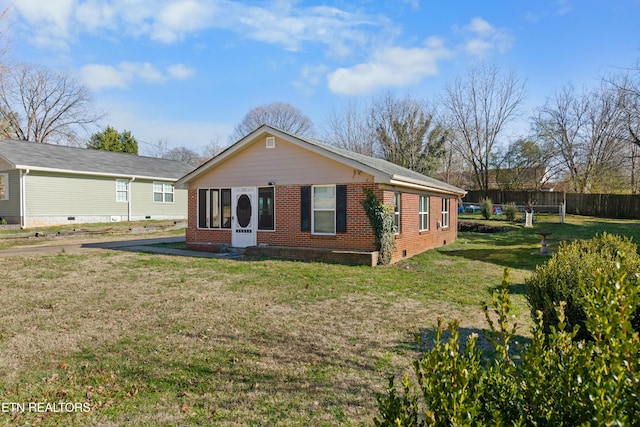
(382, 170)
(82, 161)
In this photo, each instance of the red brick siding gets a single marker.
(359, 234)
(410, 238)
(287, 232)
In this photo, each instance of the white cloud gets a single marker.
(283, 23)
(95, 14)
(100, 76)
(180, 71)
(178, 18)
(482, 37)
(480, 27)
(390, 67)
(310, 78)
(50, 20)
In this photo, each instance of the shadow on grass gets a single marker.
(513, 258)
(428, 336)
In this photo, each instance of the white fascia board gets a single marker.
(87, 173)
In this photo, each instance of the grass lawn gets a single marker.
(148, 339)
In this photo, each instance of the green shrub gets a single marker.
(510, 211)
(486, 208)
(573, 264)
(553, 380)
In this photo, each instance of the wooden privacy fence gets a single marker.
(598, 205)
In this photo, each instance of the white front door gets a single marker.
(244, 216)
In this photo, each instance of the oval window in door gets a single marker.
(243, 211)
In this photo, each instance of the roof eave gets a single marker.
(88, 173)
(425, 186)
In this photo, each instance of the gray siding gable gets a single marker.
(48, 157)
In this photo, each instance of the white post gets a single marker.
(528, 216)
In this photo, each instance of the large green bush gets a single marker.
(572, 265)
(555, 380)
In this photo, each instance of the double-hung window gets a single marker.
(163, 192)
(122, 190)
(445, 212)
(424, 213)
(396, 210)
(214, 208)
(324, 209)
(4, 186)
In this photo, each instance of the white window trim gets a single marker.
(397, 214)
(445, 212)
(6, 186)
(422, 213)
(313, 210)
(125, 191)
(164, 191)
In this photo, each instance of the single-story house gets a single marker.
(272, 189)
(44, 184)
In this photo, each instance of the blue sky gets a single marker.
(187, 71)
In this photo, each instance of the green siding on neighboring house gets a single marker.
(142, 203)
(50, 194)
(58, 198)
(10, 208)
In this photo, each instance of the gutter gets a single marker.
(421, 185)
(75, 172)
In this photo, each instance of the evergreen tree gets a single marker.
(112, 140)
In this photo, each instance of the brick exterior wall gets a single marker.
(359, 236)
(411, 241)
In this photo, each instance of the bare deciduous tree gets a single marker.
(349, 129)
(41, 105)
(280, 115)
(479, 106)
(185, 155)
(587, 129)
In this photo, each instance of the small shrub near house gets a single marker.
(486, 208)
(554, 380)
(572, 265)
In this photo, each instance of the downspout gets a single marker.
(23, 200)
(129, 209)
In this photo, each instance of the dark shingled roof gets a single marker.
(384, 166)
(41, 156)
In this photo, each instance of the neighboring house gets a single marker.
(272, 189)
(44, 184)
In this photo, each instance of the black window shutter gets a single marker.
(202, 209)
(341, 208)
(305, 208)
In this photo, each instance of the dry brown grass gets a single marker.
(152, 339)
